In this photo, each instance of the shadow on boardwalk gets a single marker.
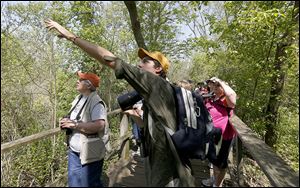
(137, 176)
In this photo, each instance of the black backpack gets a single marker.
(194, 124)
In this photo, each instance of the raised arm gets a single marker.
(229, 94)
(228, 91)
(93, 50)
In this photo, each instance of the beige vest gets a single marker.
(93, 149)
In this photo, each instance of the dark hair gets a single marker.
(190, 81)
(206, 87)
(162, 72)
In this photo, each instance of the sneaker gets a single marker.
(210, 165)
(208, 182)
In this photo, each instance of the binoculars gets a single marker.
(208, 95)
(68, 130)
(129, 99)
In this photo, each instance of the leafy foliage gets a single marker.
(235, 40)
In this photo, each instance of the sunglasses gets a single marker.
(147, 59)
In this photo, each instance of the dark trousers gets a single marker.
(219, 160)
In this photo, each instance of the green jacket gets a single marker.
(159, 111)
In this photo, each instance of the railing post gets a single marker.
(119, 170)
(123, 131)
(239, 158)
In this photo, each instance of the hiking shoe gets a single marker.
(208, 182)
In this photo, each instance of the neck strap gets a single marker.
(78, 114)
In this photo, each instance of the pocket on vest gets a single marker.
(92, 149)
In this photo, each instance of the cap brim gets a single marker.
(80, 74)
(143, 53)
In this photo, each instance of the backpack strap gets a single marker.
(189, 106)
(185, 107)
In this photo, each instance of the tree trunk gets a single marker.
(135, 24)
(277, 81)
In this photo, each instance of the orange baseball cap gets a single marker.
(158, 56)
(93, 78)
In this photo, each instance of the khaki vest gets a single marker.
(93, 149)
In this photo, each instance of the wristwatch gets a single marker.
(74, 38)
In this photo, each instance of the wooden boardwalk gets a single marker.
(137, 176)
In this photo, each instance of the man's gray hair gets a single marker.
(89, 84)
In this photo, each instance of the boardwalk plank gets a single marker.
(137, 177)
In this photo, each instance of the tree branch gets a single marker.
(135, 24)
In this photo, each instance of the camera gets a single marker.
(127, 100)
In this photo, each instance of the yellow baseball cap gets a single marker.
(158, 56)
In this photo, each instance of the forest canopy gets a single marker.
(252, 45)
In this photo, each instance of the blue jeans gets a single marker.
(136, 131)
(88, 175)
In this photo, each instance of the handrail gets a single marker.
(279, 173)
(122, 145)
(118, 169)
(28, 139)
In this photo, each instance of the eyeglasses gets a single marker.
(81, 79)
(147, 59)
(85, 81)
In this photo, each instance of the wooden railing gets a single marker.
(35, 137)
(279, 173)
(118, 170)
(121, 146)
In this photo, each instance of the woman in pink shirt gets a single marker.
(220, 108)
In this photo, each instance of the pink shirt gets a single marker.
(219, 114)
